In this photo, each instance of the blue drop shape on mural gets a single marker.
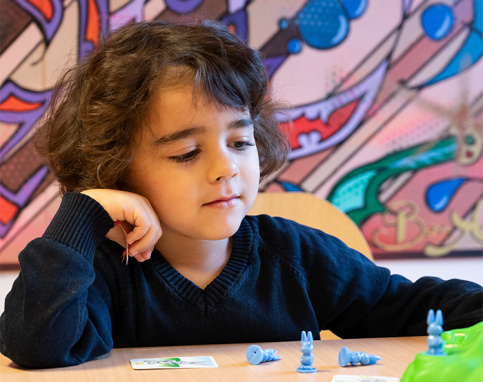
(440, 194)
(354, 8)
(437, 21)
(294, 46)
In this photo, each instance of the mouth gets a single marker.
(224, 202)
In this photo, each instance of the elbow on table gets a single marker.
(37, 356)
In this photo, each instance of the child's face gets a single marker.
(197, 164)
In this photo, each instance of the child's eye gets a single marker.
(185, 157)
(242, 145)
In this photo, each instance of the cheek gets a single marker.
(255, 167)
(171, 192)
(252, 177)
(146, 180)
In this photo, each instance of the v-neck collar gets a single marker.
(217, 289)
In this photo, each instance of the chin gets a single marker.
(224, 230)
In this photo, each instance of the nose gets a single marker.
(222, 167)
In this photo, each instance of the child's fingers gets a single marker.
(147, 241)
(139, 225)
(142, 239)
(146, 231)
(145, 223)
(143, 256)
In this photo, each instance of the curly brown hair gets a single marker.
(98, 106)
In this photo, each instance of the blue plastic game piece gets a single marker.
(346, 357)
(464, 352)
(435, 328)
(255, 355)
(307, 358)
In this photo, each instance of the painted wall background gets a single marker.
(386, 98)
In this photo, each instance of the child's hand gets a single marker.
(136, 213)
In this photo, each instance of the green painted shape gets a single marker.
(463, 360)
(357, 192)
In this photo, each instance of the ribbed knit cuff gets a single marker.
(80, 222)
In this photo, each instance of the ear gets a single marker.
(439, 317)
(311, 338)
(430, 318)
(304, 336)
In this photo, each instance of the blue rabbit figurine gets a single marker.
(307, 358)
(435, 342)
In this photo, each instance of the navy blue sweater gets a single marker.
(74, 299)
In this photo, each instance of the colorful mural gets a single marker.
(384, 107)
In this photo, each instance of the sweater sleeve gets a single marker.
(372, 302)
(57, 313)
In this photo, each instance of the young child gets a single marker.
(168, 129)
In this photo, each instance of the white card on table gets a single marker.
(174, 363)
(362, 378)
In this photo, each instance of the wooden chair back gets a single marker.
(314, 212)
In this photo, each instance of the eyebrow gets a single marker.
(178, 135)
